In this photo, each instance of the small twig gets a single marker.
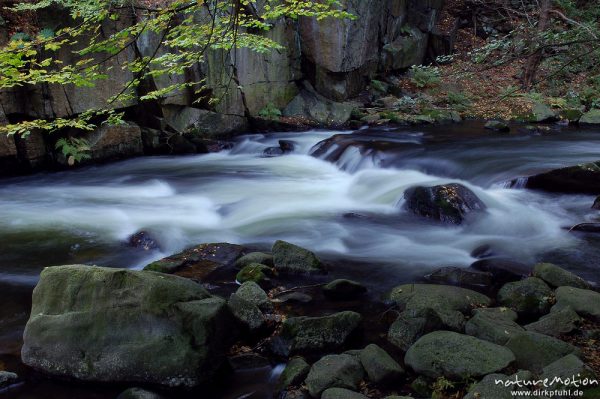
(300, 287)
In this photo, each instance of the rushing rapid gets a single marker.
(341, 197)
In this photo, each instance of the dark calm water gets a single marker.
(344, 203)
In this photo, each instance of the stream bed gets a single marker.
(339, 194)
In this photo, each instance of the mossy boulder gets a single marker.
(334, 371)
(251, 292)
(496, 327)
(246, 313)
(565, 368)
(255, 272)
(556, 323)
(254, 257)
(411, 325)
(577, 179)
(534, 351)
(118, 325)
(448, 203)
(529, 297)
(379, 365)
(315, 334)
(572, 115)
(592, 117)
(585, 302)
(556, 276)
(343, 289)
(449, 302)
(489, 388)
(290, 258)
(294, 373)
(460, 276)
(456, 356)
(540, 113)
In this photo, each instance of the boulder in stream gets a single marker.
(585, 302)
(577, 179)
(447, 203)
(290, 258)
(334, 371)
(117, 325)
(529, 297)
(556, 276)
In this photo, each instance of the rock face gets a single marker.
(312, 334)
(102, 324)
(449, 203)
(290, 258)
(334, 371)
(583, 178)
(451, 355)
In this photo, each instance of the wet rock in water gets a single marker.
(460, 276)
(334, 371)
(566, 368)
(139, 393)
(199, 261)
(247, 313)
(111, 325)
(456, 356)
(290, 258)
(251, 292)
(482, 252)
(343, 289)
(534, 351)
(556, 323)
(585, 303)
(596, 204)
(273, 152)
(411, 325)
(379, 365)
(315, 334)
(143, 240)
(503, 269)
(541, 113)
(287, 145)
(254, 272)
(586, 227)
(341, 393)
(558, 277)
(254, 257)
(294, 373)
(449, 302)
(7, 378)
(293, 297)
(529, 297)
(580, 179)
(493, 326)
(497, 126)
(448, 203)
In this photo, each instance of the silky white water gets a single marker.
(351, 207)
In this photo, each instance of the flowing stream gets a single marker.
(341, 198)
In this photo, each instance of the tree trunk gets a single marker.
(534, 60)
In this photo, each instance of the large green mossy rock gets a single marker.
(585, 303)
(334, 371)
(534, 351)
(447, 301)
(117, 325)
(290, 258)
(556, 323)
(456, 356)
(316, 334)
(556, 276)
(528, 297)
(592, 117)
(294, 373)
(496, 327)
(379, 365)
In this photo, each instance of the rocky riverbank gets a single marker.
(190, 319)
